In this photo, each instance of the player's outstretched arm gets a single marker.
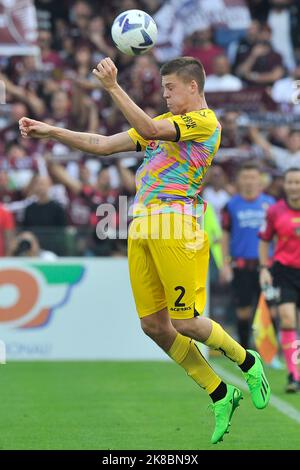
(90, 143)
(265, 278)
(106, 72)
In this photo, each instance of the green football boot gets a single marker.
(258, 385)
(223, 410)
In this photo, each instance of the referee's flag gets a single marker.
(264, 332)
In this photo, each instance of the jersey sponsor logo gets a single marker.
(153, 144)
(250, 218)
(189, 122)
(180, 309)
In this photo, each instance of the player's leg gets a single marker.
(243, 322)
(175, 265)
(245, 285)
(248, 361)
(211, 333)
(288, 281)
(289, 344)
(149, 295)
(184, 351)
(150, 300)
(181, 349)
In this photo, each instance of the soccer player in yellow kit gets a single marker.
(168, 272)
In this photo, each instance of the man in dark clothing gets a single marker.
(46, 218)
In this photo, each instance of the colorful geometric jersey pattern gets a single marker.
(171, 174)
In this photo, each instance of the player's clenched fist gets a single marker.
(31, 128)
(106, 72)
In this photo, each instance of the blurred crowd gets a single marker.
(52, 192)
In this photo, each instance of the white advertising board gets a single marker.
(73, 309)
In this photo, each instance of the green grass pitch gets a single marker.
(129, 405)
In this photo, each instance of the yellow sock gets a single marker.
(219, 339)
(187, 355)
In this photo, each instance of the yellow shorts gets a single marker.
(168, 265)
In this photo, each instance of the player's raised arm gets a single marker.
(91, 143)
(106, 72)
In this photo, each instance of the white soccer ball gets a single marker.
(134, 32)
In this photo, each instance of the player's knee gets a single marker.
(150, 329)
(182, 327)
(287, 318)
(154, 329)
(192, 327)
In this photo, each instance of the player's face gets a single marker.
(294, 142)
(104, 180)
(292, 185)
(249, 182)
(42, 187)
(4, 180)
(177, 93)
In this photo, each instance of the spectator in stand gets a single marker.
(7, 226)
(263, 66)
(284, 158)
(103, 193)
(50, 58)
(233, 135)
(98, 39)
(62, 113)
(15, 200)
(286, 91)
(200, 45)
(9, 137)
(21, 166)
(79, 210)
(77, 109)
(235, 144)
(242, 218)
(275, 186)
(46, 218)
(82, 67)
(27, 244)
(7, 187)
(84, 89)
(25, 95)
(278, 135)
(60, 108)
(80, 16)
(215, 192)
(26, 72)
(284, 20)
(145, 82)
(9, 132)
(238, 52)
(259, 9)
(222, 79)
(49, 12)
